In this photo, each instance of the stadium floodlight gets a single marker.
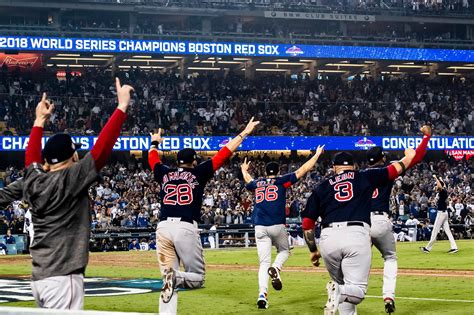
(204, 69)
(461, 68)
(406, 66)
(283, 63)
(79, 58)
(346, 65)
(68, 55)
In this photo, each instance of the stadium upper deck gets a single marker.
(310, 22)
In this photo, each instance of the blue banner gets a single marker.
(270, 143)
(27, 43)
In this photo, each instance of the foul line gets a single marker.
(423, 299)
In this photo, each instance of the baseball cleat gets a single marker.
(276, 279)
(334, 294)
(262, 301)
(453, 251)
(169, 279)
(389, 306)
(425, 250)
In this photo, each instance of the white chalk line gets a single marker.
(423, 299)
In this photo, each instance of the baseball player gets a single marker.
(343, 201)
(181, 195)
(442, 219)
(58, 195)
(269, 219)
(381, 226)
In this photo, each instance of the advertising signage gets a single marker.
(269, 143)
(103, 45)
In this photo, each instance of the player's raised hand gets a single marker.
(44, 109)
(157, 136)
(245, 165)
(315, 258)
(426, 130)
(250, 127)
(320, 150)
(123, 94)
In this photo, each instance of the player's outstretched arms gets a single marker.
(314, 254)
(111, 131)
(401, 166)
(153, 154)
(11, 193)
(309, 216)
(44, 109)
(422, 147)
(308, 166)
(245, 171)
(226, 152)
(439, 183)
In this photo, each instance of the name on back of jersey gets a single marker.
(340, 178)
(181, 175)
(267, 182)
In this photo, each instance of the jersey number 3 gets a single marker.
(181, 194)
(344, 191)
(269, 193)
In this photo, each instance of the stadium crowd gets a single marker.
(215, 104)
(127, 198)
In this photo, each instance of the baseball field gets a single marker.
(432, 283)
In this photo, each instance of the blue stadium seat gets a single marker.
(11, 248)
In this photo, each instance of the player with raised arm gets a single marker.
(381, 227)
(58, 195)
(181, 195)
(442, 218)
(269, 219)
(343, 201)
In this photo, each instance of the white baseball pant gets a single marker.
(441, 221)
(383, 240)
(347, 254)
(265, 237)
(60, 292)
(179, 241)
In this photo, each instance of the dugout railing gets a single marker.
(225, 236)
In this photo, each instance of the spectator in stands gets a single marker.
(3, 249)
(9, 239)
(134, 245)
(144, 246)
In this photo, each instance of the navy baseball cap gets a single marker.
(59, 148)
(186, 156)
(375, 154)
(343, 159)
(272, 168)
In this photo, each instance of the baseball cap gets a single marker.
(59, 148)
(375, 154)
(272, 168)
(343, 158)
(186, 156)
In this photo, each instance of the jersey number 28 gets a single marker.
(344, 191)
(181, 194)
(269, 193)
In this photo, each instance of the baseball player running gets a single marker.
(269, 219)
(442, 219)
(181, 195)
(381, 226)
(58, 195)
(343, 201)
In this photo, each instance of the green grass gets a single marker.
(235, 291)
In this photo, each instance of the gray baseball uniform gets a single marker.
(61, 216)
